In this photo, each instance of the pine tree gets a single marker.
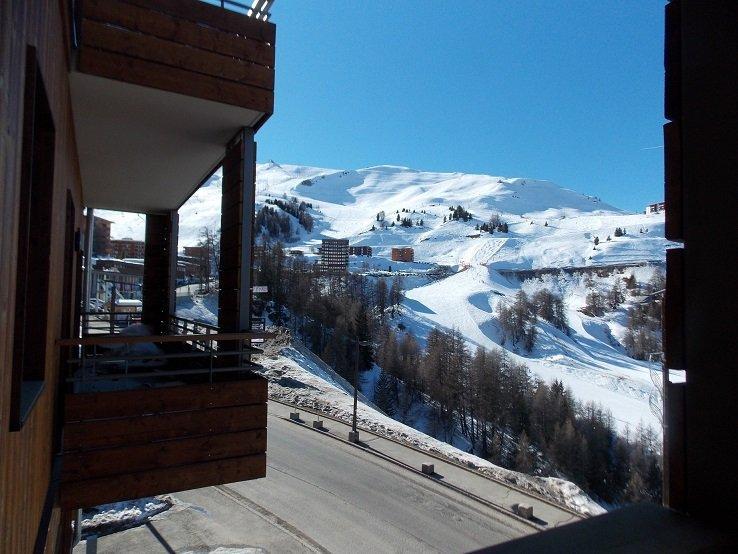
(385, 393)
(594, 304)
(615, 296)
(523, 459)
(381, 297)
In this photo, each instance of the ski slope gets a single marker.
(549, 227)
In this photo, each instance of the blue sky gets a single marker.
(570, 91)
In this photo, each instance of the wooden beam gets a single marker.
(147, 47)
(93, 492)
(163, 77)
(205, 14)
(127, 403)
(237, 216)
(108, 433)
(108, 462)
(176, 29)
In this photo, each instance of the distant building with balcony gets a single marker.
(403, 254)
(360, 251)
(198, 252)
(334, 255)
(656, 208)
(101, 237)
(127, 248)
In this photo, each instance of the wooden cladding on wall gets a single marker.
(129, 444)
(673, 189)
(672, 61)
(182, 46)
(159, 269)
(673, 326)
(237, 214)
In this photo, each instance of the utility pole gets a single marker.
(354, 433)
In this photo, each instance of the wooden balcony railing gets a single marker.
(159, 357)
(147, 415)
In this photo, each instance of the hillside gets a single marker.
(547, 227)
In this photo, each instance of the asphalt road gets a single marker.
(320, 495)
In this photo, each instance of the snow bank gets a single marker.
(111, 518)
(291, 381)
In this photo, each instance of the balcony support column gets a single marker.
(236, 239)
(160, 270)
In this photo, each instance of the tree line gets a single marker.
(505, 414)
(514, 420)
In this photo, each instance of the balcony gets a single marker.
(159, 88)
(163, 92)
(147, 415)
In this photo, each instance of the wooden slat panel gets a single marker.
(673, 189)
(228, 280)
(155, 75)
(89, 435)
(103, 405)
(179, 30)
(673, 328)
(92, 492)
(230, 258)
(169, 53)
(672, 61)
(231, 216)
(200, 12)
(675, 446)
(178, 452)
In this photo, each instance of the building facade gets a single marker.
(334, 255)
(360, 251)
(71, 71)
(403, 255)
(656, 208)
(101, 241)
(127, 248)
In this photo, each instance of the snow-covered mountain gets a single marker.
(548, 227)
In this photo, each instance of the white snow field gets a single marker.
(549, 227)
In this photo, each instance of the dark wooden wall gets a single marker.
(237, 215)
(26, 455)
(183, 46)
(701, 329)
(160, 270)
(136, 443)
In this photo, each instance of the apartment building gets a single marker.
(93, 97)
(127, 248)
(403, 254)
(334, 255)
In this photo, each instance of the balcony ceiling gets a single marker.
(143, 149)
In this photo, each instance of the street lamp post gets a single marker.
(354, 433)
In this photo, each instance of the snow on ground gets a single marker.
(197, 307)
(590, 360)
(549, 227)
(293, 381)
(111, 518)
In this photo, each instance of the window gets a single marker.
(34, 238)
